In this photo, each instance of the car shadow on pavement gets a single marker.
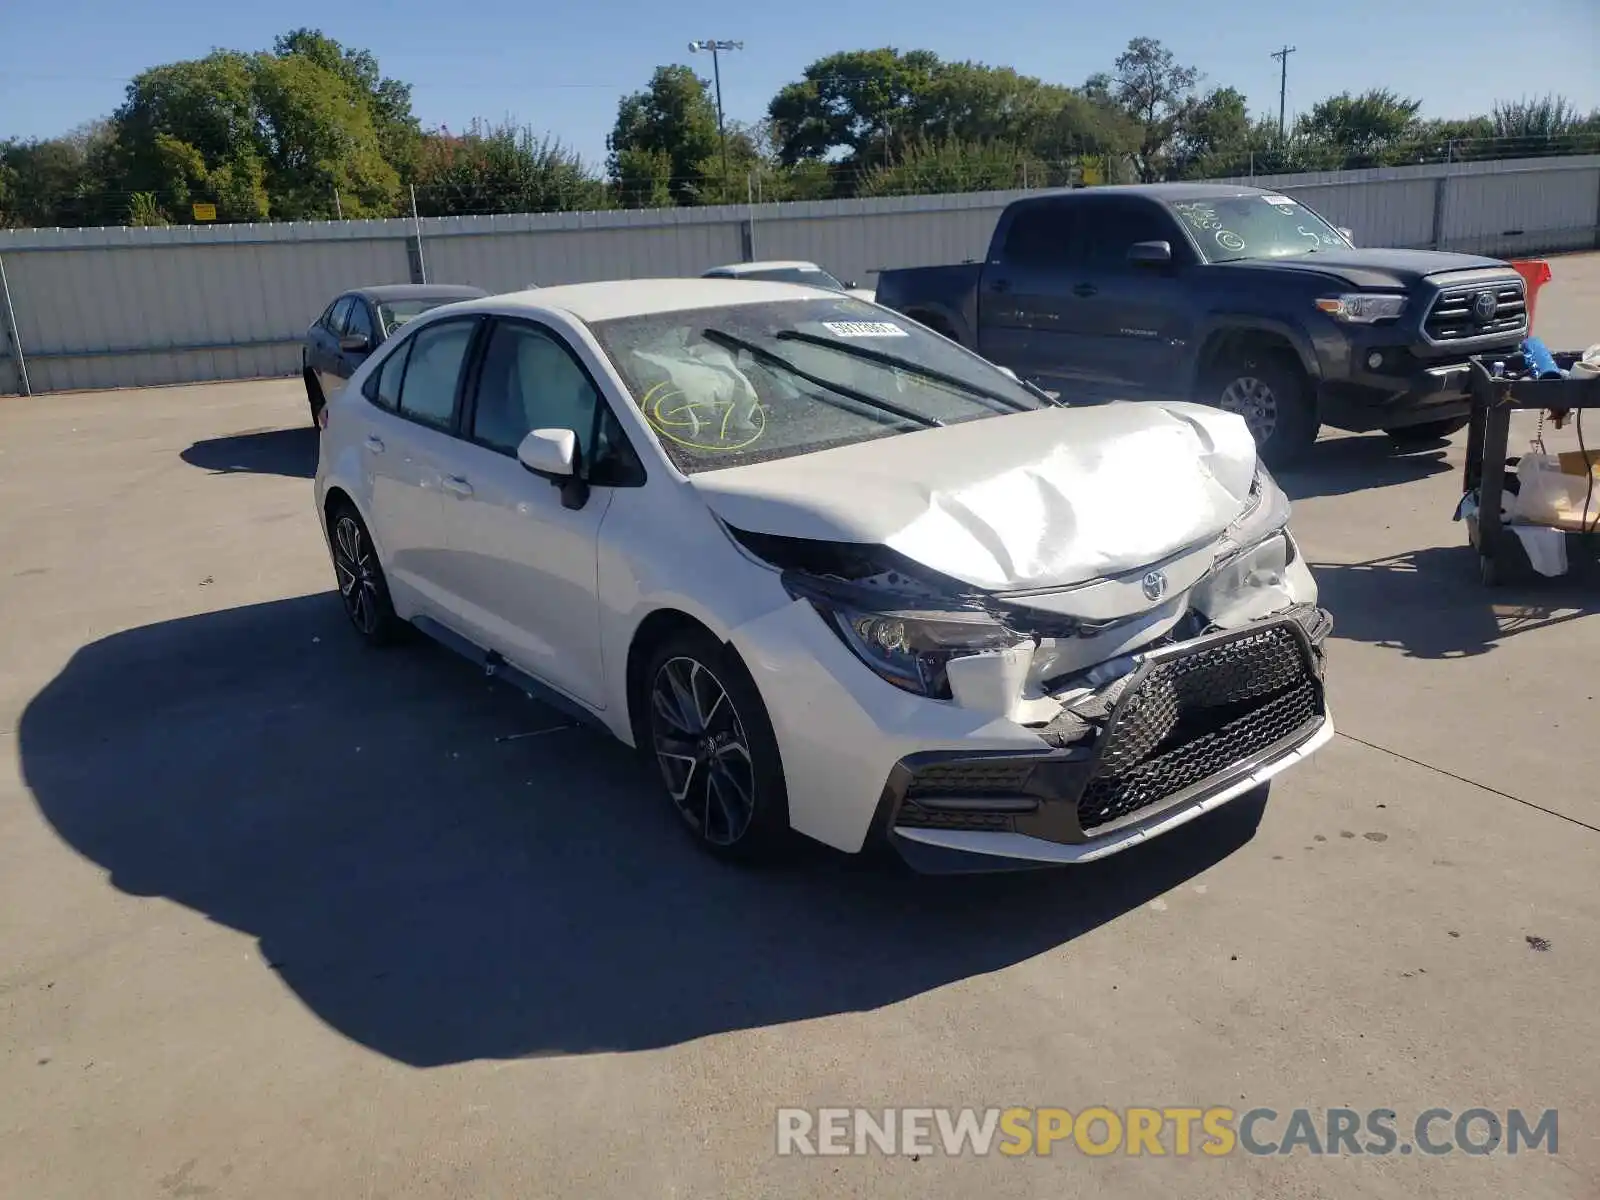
(1431, 603)
(1339, 466)
(291, 452)
(439, 890)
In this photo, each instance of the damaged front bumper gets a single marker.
(1194, 724)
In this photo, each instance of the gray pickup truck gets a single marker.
(1233, 296)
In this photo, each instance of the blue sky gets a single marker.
(562, 66)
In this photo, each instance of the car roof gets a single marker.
(388, 293)
(638, 297)
(1167, 192)
(746, 268)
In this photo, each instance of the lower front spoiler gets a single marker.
(951, 851)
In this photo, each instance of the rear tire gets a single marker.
(1407, 436)
(363, 589)
(1271, 392)
(701, 722)
(314, 396)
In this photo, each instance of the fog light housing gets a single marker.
(1375, 360)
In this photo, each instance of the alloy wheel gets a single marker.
(357, 574)
(1252, 399)
(704, 754)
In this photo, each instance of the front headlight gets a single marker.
(1360, 308)
(1264, 516)
(911, 649)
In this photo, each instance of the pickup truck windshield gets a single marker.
(1235, 227)
(727, 386)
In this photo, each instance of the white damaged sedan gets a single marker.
(829, 572)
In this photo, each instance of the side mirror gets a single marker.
(355, 343)
(850, 285)
(1347, 234)
(553, 454)
(1150, 254)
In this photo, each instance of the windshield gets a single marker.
(814, 276)
(737, 384)
(395, 313)
(1235, 227)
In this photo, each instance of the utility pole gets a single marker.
(1283, 84)
(716, 46)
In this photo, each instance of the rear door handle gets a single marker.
(457, 486)
(1084, 289)
(375, 444)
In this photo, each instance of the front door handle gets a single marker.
(1000, 286)
(457, 486)
(375, 444)
(1084, 289)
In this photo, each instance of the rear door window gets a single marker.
(1041, 234)
(433, 372)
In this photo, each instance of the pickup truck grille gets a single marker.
(1457, 312)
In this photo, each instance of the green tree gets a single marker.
(664, 138)
(1360, 130)
(259, 135)
(1213, 137)
(501, 169)
(388, 101)
(57, 181)
(863, 103)
(1155, 90)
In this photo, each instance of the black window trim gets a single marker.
(634, 473)
(369, 386)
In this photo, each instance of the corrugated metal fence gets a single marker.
(94, 308)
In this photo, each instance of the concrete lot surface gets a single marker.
(283, 918)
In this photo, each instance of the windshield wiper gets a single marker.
(905, 364)
(729, 342)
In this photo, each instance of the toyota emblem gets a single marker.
(1484, 306)
(1155, 585)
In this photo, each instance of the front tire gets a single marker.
(1274, 397)
(363, 589)
(314, 397)
(706, 730)
(1408, 436)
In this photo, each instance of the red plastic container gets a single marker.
(1535, 274)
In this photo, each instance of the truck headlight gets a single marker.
(911, 649)
(1360, 308)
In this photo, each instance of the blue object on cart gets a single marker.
(1541, 363)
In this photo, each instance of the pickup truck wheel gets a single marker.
(1428, 431)
(1274, 398)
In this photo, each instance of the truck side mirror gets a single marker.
(1150, 254)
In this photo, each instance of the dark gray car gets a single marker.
(357, 322)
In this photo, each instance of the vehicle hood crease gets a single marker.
(1038, 500)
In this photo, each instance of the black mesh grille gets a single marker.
(1454, 316)
(1108, 797)
(1197, 715)
(971, 775)
(912, 817)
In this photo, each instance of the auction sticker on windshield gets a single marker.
(1278, 200)
(854, 329)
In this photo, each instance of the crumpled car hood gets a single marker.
(1036, 500)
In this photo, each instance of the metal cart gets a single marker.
(1494, 399)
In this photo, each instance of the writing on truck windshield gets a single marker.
(737, 384)
(1235, 227)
